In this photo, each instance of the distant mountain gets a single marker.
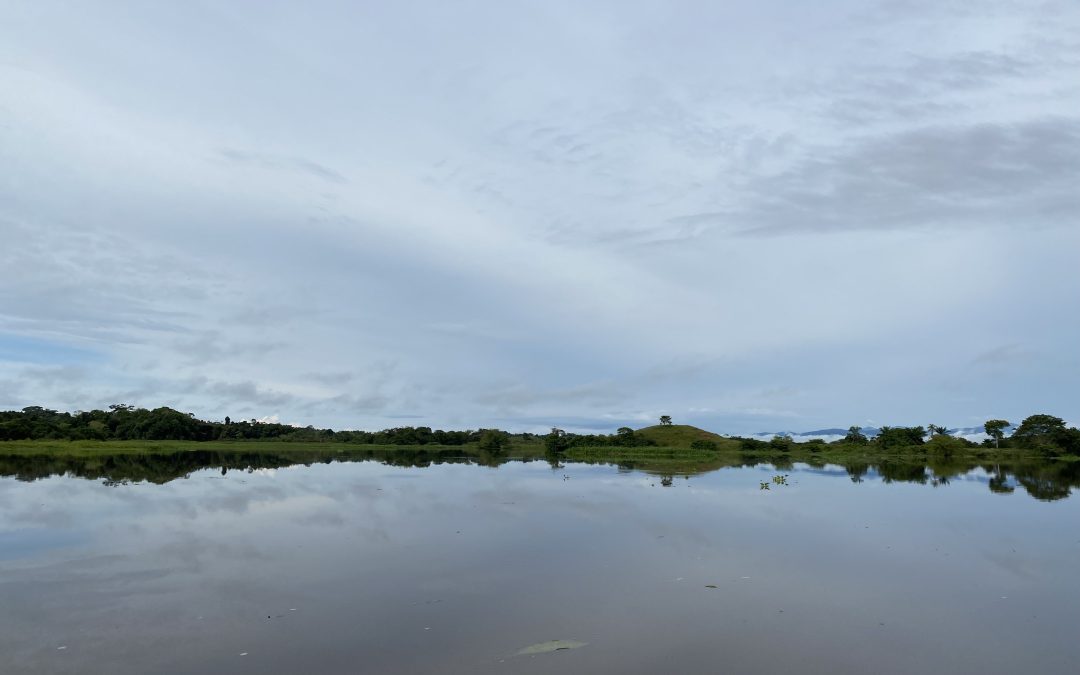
(870, 432)
(837, 432)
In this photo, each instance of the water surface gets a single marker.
(454, 568)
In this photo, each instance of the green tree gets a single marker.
(995, 429)
(855, 436)
(624, 436)
(493, 441)
(900, 437)
(934, 430)
(665, 420)
(1068, 440)
(556, 441)
(1038, 430)
(781, 443)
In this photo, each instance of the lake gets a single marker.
(362, 567)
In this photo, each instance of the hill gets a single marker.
(680, 435)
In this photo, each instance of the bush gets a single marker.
(1068, 440)
(945, 445)
(781, 443)
(752, 444)
(814, 444)
(493, 441)
(900, 437)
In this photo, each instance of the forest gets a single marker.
(122, 422)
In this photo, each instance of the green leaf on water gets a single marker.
(550, 646)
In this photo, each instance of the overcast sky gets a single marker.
(752, 215)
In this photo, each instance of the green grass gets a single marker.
(682, 435)
(673, 445)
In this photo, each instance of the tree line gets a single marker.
(1036, 432)
(125, 422)
(558, 441)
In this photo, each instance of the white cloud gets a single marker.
(485, 213)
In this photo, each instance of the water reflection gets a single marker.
(363, 566)
(1043, 479)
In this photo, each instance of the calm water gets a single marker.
(452, 568)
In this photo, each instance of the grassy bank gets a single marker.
(726, 449)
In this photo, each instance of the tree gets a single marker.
(781, 443)
(1038, 430)
(995, 429)
(556, 441)
(934, 430)
(493, 441)
(856, 436)
(624, 436)
(1048, 433)
(900, 437)
(1068, 440)
(665, 420)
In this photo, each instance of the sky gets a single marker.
(751, 216)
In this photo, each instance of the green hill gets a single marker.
(680, 435)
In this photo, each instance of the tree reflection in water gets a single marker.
(1044, 479)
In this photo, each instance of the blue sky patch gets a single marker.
(21, 349)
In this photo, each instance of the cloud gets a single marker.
(577, 214)
(927, 179)
(330, 378)
(214, 346)
(518, 395)
(920, 87)
(276, 162)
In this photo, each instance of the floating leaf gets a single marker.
(550, 646)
